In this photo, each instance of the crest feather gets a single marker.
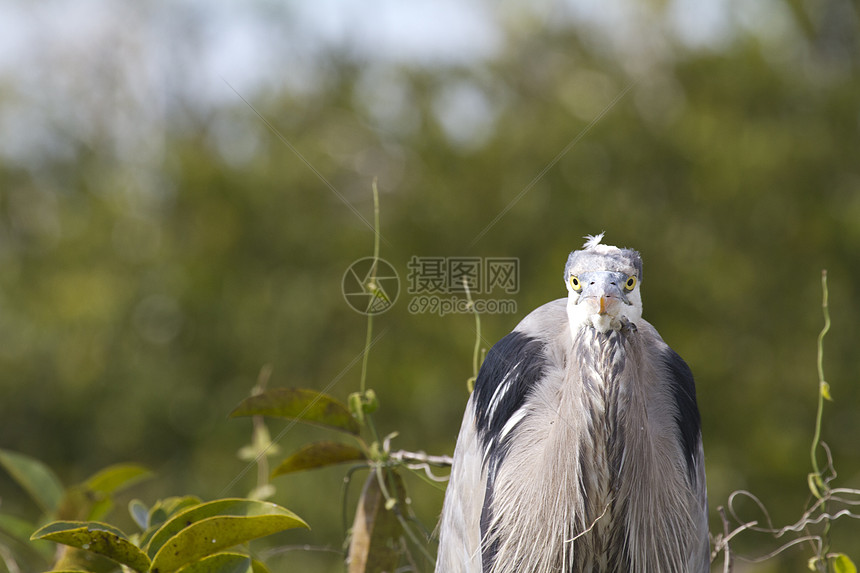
(592, 241)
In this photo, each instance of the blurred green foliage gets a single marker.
(176, 533)
(142, 291)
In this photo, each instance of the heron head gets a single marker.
(603, 286)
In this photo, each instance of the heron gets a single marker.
(581, 446)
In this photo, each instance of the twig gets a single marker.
(421, 457)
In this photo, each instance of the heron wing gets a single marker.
(459, 541)
(689, 432)
(509, 371)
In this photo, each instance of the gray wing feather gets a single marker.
(700, 555)
(460, 526)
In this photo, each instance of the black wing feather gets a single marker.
(687, 412)
(516, 361)
(511, 369)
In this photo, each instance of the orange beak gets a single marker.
(602, 305)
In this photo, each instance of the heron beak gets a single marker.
(602, 305)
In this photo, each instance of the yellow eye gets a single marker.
(575, 284)
(631, 283)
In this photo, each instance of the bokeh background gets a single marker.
(183, 185)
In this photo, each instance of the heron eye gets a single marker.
(575, 284)
(631, 283)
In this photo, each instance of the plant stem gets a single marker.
(368, 339)
(822, 384)
(259, 423)
(369, 334)
(470, 383)
(821, 486)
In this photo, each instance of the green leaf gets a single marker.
(36, 478)
(219, 508)
(317, 455)
(841, 563)
(99, 538)
(16, 527)
(302, 405)
(117, 477)
(166, 508)
(210, 527)
(93, 499)
(221, 563)
(376, 528)
(74, 559)
(80, 503)
(139, 513)
(222, 508)
(15, 538)
(163, 510)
